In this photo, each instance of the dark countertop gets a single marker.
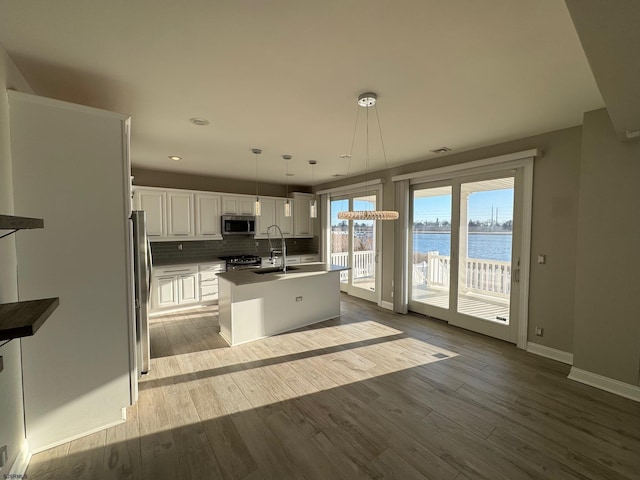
(167, 262)
(250, 277)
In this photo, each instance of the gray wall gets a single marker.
(607, 301)
(157, 178)
(555, 200)
(11, 413)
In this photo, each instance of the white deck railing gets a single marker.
(364, 264)
(488, 277)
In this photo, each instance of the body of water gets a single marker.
(489, 246)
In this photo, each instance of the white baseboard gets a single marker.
(387, 305)
(80, 435)
(605, 383)
(548, 352)
(19, 467)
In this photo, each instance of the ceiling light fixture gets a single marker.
(257, 209)
(313, 204)
(287, 203)
(175, 158)
(201, 122)
(366, 101)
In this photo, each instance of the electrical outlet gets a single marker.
(180, 246)
(542, 259)
(298, 299)
(539, 331)
(257, 243)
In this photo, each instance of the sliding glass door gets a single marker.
(354, 244)
(465, 251)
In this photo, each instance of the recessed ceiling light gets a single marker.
(633, 133)
(337, 175)
(201, 122)
(290, 174)
(441, 150)
(175, 158)
(345, 155)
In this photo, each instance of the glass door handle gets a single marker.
(516, 275)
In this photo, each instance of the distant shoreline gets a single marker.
(474, 233)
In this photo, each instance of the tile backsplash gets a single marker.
(209, 249)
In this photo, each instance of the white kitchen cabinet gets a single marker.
(154, 202)
(309, 258)
(273, 214)
(188, 289)
(180, 214)
(267, 216)
(285, 223)
(174, 286)
(238, 205)
(302, 221)
(208, 275)
(182, 286)
(207, 215)
(166, 292)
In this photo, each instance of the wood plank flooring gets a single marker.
(371, 394)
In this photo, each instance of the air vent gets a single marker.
(441, 150)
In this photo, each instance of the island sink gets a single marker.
(263, 271)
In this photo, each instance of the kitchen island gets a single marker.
(257, 303)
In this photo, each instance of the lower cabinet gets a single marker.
(179, 286)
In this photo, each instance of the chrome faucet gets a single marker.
(274, 252)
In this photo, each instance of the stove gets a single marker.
(237, 262)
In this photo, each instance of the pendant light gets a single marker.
(258, 207)
(287, 203)
(366, 101)
(313, 204)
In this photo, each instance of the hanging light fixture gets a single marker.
(287, 203)
(366, 101)
(313, 204)
(257, 209)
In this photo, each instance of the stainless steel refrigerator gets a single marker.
(142, 265)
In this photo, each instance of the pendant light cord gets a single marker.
(384, 152)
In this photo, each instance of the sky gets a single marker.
(432, 208)
(480, 206)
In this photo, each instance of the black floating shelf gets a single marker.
(23, 319)
(9, 222)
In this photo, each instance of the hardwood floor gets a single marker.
(371, 394)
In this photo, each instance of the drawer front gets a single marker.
(309, 258)
(293, 260)
(174, 270)
(212, 267)
(208, 291)
(208, 276)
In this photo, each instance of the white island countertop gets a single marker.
(252, 276)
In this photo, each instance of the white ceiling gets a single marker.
(285, 75)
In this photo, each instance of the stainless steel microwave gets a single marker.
(238, 225)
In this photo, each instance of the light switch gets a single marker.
(542, 259)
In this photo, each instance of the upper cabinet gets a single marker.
(285, 223)
(180, 214)
(208, 215)
(237, 205)
(303, 223)
(174, 214)
(154, 202)
(272, 213)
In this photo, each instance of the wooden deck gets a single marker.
(371, 394)
(475, 305)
